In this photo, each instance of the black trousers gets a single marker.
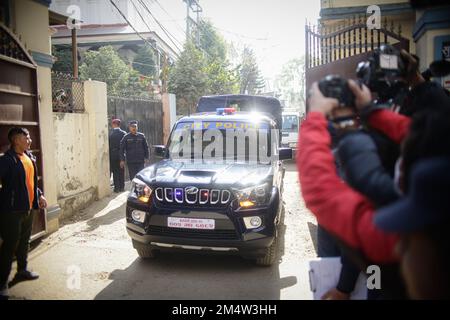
(328, 247)
(118, 174)
(134, 168)
(15, 231)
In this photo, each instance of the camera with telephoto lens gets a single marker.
(334, 86)
(384, 73)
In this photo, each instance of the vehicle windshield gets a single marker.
(290, 123)
(227, 140)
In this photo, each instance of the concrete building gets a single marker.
(395, 14)
(102, 25)
(70, 163)
(428, 29)
(25, 23)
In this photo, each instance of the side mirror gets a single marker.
(160, 151)
(285, 153)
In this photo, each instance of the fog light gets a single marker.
(138, 216)
(252, 222)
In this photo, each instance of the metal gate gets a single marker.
(148, 112)
(19, 104)
(330, 51)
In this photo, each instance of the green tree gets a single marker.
(212, 42)
(250, 78)
(291, 83)
(106, 65)
(188, 78)
(144, 62)
(202, 70)
(63, 59)
(220, 79)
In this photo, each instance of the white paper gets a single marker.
(324, 275)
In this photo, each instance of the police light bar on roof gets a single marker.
(222, 111)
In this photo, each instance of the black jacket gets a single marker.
(14, 193)
(134, 148)
(364, 170)
(115, 137)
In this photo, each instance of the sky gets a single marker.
(273, 28)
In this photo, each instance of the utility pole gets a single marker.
(194, 6)
(188, 5)
(74, 53)
(164, 74)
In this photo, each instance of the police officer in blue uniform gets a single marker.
(134, 150)
(115, 137)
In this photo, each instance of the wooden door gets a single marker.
(19, 103)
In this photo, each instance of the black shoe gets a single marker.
(24, 275)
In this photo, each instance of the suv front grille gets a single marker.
(193, 233)
(193, 196)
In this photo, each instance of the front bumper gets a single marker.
(229, 235)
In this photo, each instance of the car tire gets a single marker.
(270, 256)
(144, 251)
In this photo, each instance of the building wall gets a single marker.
(95, 102)
(82, 152)
(426, 47)
(97, 11)
(31, 22)
(391, 10)
(102, 12)
(73, 171)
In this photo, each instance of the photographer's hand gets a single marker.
(319, 103)
(413, 76)
(363, 97)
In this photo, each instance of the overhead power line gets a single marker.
(168, 14)
(170, 36)
(134, 29)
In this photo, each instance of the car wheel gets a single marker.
(144, 251)
(271, 254)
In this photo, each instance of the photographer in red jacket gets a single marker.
(342, 211)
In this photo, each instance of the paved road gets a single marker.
(95, 246)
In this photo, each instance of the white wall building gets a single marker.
(102, 24)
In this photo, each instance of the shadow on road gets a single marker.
(195, 276)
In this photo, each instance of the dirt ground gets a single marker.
(91, 257)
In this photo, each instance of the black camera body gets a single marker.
(334, 86)
(384, 72)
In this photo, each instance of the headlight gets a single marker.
(252, 196)
(140, 190)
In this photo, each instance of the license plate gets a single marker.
(189, 223)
